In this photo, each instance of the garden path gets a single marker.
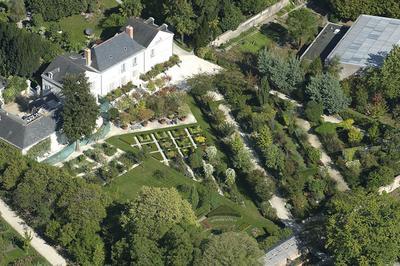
(165, 160)
(176, 144)
(278, 203)
(191, 138)
(325, 159)
(316, 143)
(47, 251)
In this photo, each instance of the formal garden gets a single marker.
(15, 250)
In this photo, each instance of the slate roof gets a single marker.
(325, 42)
(66, 64)
(113, 51)
(368, 41)
(21, 134)
(144, 31)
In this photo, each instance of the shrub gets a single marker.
(159, 68)
(40, 149)
(326, 128)
(314, 111)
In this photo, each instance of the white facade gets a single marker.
(120, 73)
(159, 51)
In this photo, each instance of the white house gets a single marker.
(116, 61)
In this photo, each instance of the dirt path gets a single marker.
(325, 159)
(48, 252)
(278, 203)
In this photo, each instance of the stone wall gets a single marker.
(251, 22)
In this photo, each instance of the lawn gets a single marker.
(127, 186)
(253, 42)
(76, 24)
(11, 248)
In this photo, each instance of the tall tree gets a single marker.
(131, 8)
(363, 229)
(302, 25)
(231, 249)
(286, 74)
(156, 210)
(390, 73)
(232, 16)
(326, 90)
(80, 109)
(179, 13)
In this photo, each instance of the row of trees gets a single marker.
(376, 92)
(201, 21)
(56, 9)
(160, 228)
(67, 210)
(351, 9)
(22, 53)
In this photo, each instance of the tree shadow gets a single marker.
(376, 60)
(111, 226)
(276, 32)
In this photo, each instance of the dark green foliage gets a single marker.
(314, 111)
(326, 90)
(232, 16)
(286, 74)
(67, 210)
(56, 9)
(351, 9)
(302, 25)
(80, 109)
(22, 53)
(363, 228)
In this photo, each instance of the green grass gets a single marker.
(76, 24)
(253, 43)
(13, 247)
(127, 186)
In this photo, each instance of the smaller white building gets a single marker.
(116, 61)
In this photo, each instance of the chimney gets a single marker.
(150, 20)
(129, 31)
(88, 56)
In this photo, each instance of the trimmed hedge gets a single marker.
(159, 68)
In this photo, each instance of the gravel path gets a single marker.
(48, 252)
(278, 203)
(325, 159)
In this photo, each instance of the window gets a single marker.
(134, 61)
(123, 69)
(152, 54)
(50, 74)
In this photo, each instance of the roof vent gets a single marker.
(125, 49)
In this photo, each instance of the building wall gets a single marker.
(348, 70)
(117, 75)
(159, 50)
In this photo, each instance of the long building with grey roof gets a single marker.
(366, 43)
(114, 62)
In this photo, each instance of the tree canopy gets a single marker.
(351, 9)
(326, 90)
(80, 109)
(286, 74)
(363, 228)
(21, 52)
(231, 248)
(302, 25)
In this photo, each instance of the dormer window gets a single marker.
(50, 75)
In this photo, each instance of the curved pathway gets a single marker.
(316, 143)
(48, 252)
